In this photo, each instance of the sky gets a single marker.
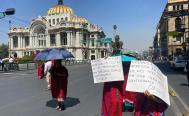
(136, 20)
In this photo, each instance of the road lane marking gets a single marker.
(180, 100)
(175, 108)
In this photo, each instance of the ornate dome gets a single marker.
(60, 9)
(77, 19)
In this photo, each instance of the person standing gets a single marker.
(59, 82)
(11, 61)
(47, 68)
(145, 104)
(1, 62)
(187, 70)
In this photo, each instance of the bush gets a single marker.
(25, 59)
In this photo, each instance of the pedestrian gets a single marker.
(11, 61)
(1, 61)
(145, 104)
(187, 71)
(47, 74)
(112, 98)
(59, 82)
(40, 70)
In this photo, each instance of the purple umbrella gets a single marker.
(53, 54)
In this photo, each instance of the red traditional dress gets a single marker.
(143, 105)
(59, 81)
(112, 99)
(40, 71)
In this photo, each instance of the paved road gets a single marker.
(22, 94)
(178, 81)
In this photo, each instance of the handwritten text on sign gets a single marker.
(106, 70)
(144, 75)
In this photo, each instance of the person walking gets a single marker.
(47, 74)
(187, 71)
(40, 70)
(59, 82)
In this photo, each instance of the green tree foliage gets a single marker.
(4, 50)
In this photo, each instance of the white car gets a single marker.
(177, 63)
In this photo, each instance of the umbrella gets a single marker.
(127, 58)
(53, 54)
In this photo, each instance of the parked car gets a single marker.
(178, 63)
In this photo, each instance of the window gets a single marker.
(92, 51)
(92, 57)
(53, 21)
(174, 7)
(84, 39)
(178, 8)
(52, 40)
(49, 21)
(57, 20)
(93, 42)
(15, 42)
(181, 6)
(63, 38)
(27, 41)
(178, 38)
(92, 35)
(66, 18)
(62, 19)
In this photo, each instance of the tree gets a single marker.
(4, 50)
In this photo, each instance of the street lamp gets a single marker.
(9, 11)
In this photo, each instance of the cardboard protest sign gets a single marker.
(144, 75)
(107, 70)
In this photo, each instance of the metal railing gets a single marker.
(33, 65)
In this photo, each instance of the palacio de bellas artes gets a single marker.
(60, 28)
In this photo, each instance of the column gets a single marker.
(30, 38)
(58, 44)
(77, 42)
(19, 41)
(48, 40)
(71, 39)
(68, 39)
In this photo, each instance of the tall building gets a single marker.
(60, 28)
(172, 34)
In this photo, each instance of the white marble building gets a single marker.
(60, 28)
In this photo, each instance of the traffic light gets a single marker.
(178, 24)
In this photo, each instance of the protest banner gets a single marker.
(107, 70)
(144, 75)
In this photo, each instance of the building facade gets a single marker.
(60, 28)
(171, 37)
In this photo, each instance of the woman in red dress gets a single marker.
(59, 81)
(40, 70)
(112, 99)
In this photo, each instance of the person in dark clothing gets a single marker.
(59, 82)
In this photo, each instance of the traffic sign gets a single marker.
(106, 40)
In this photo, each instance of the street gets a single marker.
(23, 94)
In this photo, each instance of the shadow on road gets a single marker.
(184, 84)
(69, 102)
